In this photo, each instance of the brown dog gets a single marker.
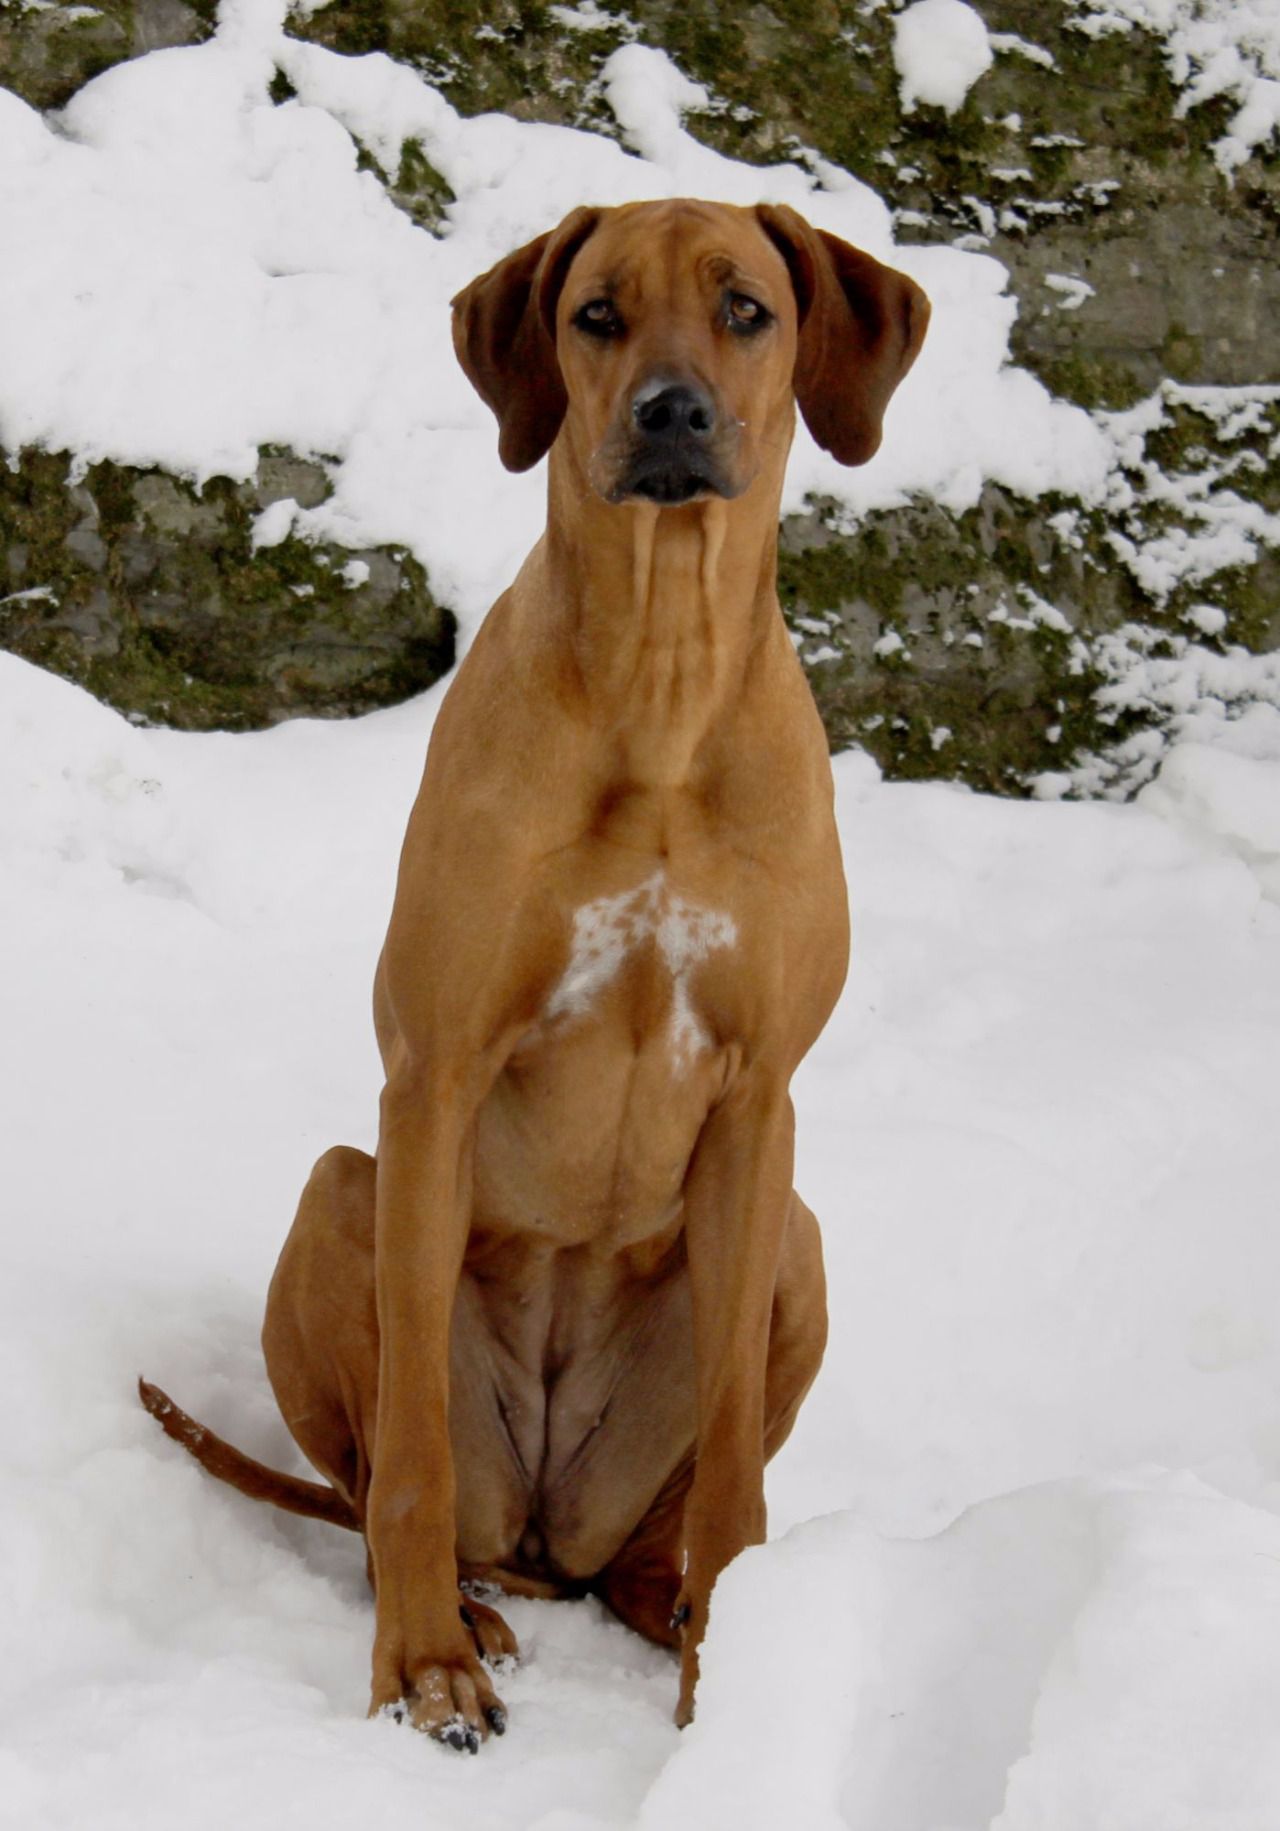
(551, 1335)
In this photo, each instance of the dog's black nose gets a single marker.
(674, 410)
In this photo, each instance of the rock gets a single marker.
(153, 596)
(47, 52)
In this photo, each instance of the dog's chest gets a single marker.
(654, 925)
(587, 1134)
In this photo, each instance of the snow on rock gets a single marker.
(1214, 527)
(1186, 693)
(1215, 48)
(195, 256)
(940, 49)
(1042, 1134)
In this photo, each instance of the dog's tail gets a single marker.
(312, 1499)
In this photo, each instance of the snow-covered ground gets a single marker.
(1028, 1565)
(1032, 1552)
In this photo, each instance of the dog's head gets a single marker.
(668, 340)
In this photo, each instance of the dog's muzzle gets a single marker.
(675, 449)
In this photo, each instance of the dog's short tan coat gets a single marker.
(552, 1334)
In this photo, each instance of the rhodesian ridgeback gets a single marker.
(549, 1337)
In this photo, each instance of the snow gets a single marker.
(1073, 290)
(1012, 44)
(1041, 1134)
(1185, 693)
(1228, 48)
(585, 18)
(940, 49)
(1217, 528)
(1226, 797)
(1023, 1670)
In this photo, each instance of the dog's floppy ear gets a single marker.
(861, 327)
(504, 332)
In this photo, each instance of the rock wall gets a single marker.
(981, 645)
(47, 52)
(155, 598)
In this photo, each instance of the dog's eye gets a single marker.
(599, 319)
(745, 314)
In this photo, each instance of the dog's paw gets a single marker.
(495, 1643)
(453, 1703)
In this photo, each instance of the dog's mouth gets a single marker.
(672, 478)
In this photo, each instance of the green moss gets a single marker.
(47, 53)
(354, 26)
(1189, 446)
(965, 725)
(1181, 353)
(963, 696)
(977, 602)
(1091, 381)
(992, 679)
(112, 492)
(1189, 439)
(504, 56)
(151, 594)
(419, 189)
(1251, 599)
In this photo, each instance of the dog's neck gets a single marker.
(659, 612)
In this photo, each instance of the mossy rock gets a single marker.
(152, 595)
(949, 646)
(967, 646)
(48, 52)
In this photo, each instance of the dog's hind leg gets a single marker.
(320, 1340)
(320, 1335)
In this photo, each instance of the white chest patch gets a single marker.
(606, 931)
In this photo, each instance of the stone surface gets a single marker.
(47, 52)
(924, 645)
(152, 595)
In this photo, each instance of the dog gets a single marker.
(549, 1337)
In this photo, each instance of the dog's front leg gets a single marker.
(424, 1660)
(737, 1199)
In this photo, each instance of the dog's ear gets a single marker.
(861, 327)
(504, 333)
